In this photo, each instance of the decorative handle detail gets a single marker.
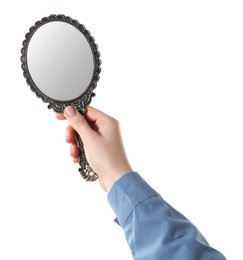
(85, 170)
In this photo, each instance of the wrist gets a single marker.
(115, 177)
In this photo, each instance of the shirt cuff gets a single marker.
(128, 192)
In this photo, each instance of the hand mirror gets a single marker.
(61, 64)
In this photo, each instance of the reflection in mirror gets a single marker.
(61, 64)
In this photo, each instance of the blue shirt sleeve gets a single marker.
(154, 230)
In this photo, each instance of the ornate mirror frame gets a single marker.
(84, 99)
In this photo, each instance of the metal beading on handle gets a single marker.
(85, 170)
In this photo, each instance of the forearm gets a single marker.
(153, 229)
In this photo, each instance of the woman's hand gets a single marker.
(102, 141)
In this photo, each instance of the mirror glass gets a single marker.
(60, 61)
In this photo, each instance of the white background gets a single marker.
(172, 75)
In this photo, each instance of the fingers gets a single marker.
(71, 139)
(92, 114)
(60, 116)
(79, 123)
(70, 135)
(74, 152)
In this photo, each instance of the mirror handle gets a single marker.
(85, 170)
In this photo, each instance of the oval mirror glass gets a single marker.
(60, 61)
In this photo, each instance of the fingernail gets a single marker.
(69, 111)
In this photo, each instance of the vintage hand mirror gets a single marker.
(61, 64)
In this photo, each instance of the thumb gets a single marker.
(78, 122)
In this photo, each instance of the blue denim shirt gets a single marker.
(154, 230)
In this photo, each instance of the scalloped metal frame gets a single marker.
(85, 98)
